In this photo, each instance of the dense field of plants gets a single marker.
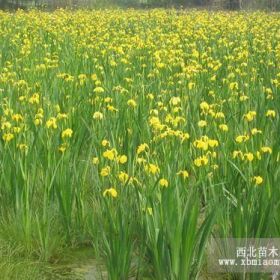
(138, 135)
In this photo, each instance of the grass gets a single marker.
(137, 135)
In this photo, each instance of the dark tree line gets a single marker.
(226, 4)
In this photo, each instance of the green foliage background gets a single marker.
(216, 4)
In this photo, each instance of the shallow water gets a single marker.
(76, 265)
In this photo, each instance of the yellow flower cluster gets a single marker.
(171, 100)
